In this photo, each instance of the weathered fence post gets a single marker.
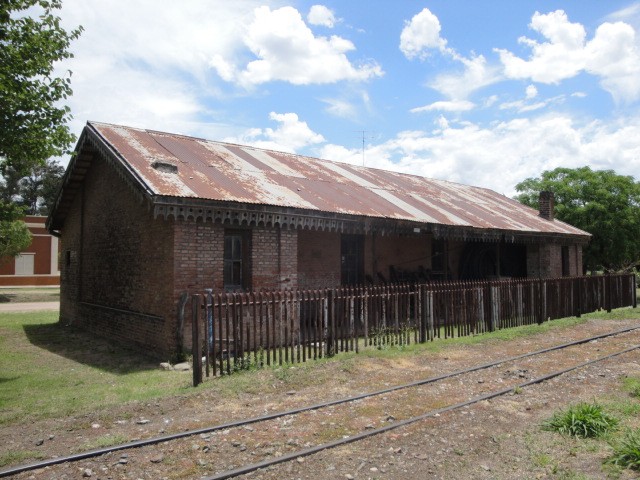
(330, 336)
(540, 303)
(196, 348)
(578, 295)
(492, 308)
(607, 286)
(208, 328)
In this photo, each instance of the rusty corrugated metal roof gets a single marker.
(180, 166)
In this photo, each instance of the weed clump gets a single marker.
(586, 420)
(626, 452)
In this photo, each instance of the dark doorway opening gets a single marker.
(352, 260)
(481, 261)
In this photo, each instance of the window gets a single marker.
(236, 260)
(565, 261)
(438, 255)
(25, 264)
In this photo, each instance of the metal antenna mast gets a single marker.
(363, 132)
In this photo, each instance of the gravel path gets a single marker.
(29, 307)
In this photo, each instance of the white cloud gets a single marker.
(476, 75)
(612, 55)
(421, 34)
(287, 50)
(321, 15)
(340, 108)
(452, 106)
(291, 135)
(147, 71)
(520, 148)
(531, 92)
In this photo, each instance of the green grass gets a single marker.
(626, 451)
(48, 370)
(104, 442)
(632, 385)
(19, 456)
(585, 420)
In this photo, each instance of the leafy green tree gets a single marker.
(33, 119)
(36, 192)
(601, 202)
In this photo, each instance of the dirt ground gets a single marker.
(494, 439)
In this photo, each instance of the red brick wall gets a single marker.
(117, 264)
(274, 258)
(318, 259)
(546, 260)
(197, 256)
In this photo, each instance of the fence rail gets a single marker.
(238, 330)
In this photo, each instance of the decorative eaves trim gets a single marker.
(249, 215)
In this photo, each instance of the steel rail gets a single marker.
(433, 413)
(239, 423)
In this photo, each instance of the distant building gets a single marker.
(38, 264)
(146, 216)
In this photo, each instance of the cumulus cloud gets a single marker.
(321, 15)
(471, 153)
(421, 34)
(477, 74)
(612, 55)
(287, 50)
(125, 72)
(291, 135)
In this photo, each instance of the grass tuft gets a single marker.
(586, 420)
(626, 452)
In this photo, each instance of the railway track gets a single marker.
(425, 395)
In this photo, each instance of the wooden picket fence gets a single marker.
(236, 331)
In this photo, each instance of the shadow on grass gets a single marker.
(84, 348)
(5, 298)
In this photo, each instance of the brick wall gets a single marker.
(116, 269)
(274, 258)
(546, 260)
(318, 259)
(197, 256)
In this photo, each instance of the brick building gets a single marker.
(145, 216)
(37, 265)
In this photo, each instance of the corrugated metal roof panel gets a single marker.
(220, 171)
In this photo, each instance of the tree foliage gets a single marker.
(14, 238)
(33, 121)
(33, 117)
(37, 191)
(601, 202)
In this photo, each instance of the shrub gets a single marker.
(585, 420)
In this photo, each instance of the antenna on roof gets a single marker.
(364, 136)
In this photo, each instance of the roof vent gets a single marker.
(166, 167)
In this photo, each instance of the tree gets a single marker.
(37, 191)
(33, 121)
(600, 202)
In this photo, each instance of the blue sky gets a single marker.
(482, 93)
